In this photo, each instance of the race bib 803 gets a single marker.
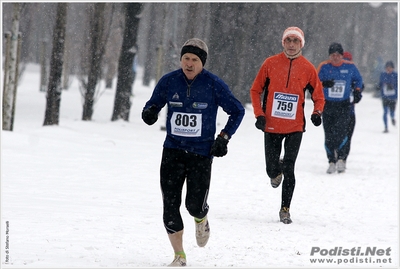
(186, 124)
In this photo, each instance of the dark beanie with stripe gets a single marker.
(197, 47)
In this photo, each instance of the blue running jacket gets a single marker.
(192, 108)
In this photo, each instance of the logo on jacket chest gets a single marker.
(195, 105)
(175, 101)
(199, 105)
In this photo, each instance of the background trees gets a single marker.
(239, 35)
(100, 20)
(129, 49)
(10, 67)
(54, 90)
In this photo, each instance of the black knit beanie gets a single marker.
(197, 47)
(335, 47)
(389, 64)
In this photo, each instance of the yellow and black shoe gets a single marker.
(202, 231)
(178, 261)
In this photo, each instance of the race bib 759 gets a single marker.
(285, 105)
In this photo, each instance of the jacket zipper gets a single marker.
(290, 68)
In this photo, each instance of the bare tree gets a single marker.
(239, 35)
(98, 35)
(111, 55)
(53, 98)
(122, 103)
(150, 39)
(10, 83)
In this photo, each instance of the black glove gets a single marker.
(220, 147)
(260, 123)
(357, 96)
(150, 115)
(328, 83)
(316, 118)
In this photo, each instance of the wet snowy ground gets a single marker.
(86, 194)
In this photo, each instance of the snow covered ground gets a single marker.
(86, 194)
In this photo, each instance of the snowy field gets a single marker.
(86, 194)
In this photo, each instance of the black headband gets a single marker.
(195, 50)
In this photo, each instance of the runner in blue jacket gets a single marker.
(192, 95)
(389, 93)
(352, 122)
(340, 79)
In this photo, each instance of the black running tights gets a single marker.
(176, 167)
(273, 148)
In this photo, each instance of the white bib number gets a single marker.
(186, 124)
(388, 91)
(337, 91)
(284, 106)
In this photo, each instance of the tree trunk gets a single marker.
(66, 72)
(16, 81)
(11, 70)
(122, 103)
(54, 88)
(43, 67)
(150, 35)
(110, 73)
(95, 60)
